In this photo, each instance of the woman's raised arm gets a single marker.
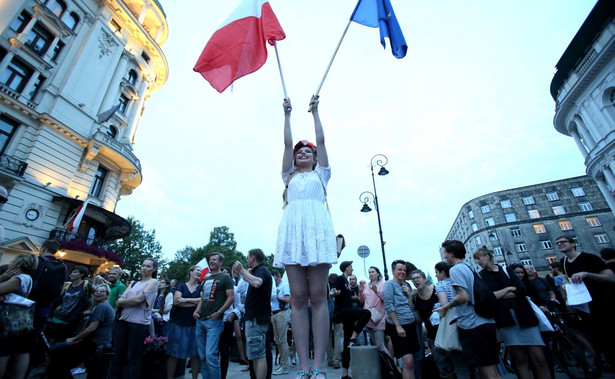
(287, 158)
(321, 150)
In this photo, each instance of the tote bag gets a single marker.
(447, 337)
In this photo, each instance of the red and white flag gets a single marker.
(203, 273)
(238, 47)
(79, 216)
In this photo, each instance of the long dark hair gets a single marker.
(164, 294)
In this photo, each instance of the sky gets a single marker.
(466, 112)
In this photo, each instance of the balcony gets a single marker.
(78, 247)
(17, 96)
(12, 165)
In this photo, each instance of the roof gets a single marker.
(603, 12)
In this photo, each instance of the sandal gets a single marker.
(303, 373)
(315, 372)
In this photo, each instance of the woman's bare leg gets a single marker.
(317, 280)
(297, 280)
(237, 329)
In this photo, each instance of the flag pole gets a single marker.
(275, 45)
(333, 57)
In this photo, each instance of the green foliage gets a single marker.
(139, 245)
(178, 268)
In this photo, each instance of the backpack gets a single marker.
(388, 368)
(485, 302)
(48, 281)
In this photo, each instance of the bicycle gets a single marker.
(572, 349)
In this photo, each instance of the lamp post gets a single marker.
(377, 160)
(493, 236)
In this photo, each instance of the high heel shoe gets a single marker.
(301, 374)
(315, 372)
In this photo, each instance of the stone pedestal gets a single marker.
(365, 362)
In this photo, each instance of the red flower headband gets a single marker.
(303, 143)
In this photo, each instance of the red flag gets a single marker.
(79, 216)
(238, 47)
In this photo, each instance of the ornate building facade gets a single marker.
(74, 79)
(584, 92)
(520, 225)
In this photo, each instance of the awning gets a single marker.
(115, 226)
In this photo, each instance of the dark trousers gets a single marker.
(224, 347)
(353, 320)
(63, 357)
(128, 343)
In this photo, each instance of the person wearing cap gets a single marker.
(4, 197)
(353, 319)
(306, 246)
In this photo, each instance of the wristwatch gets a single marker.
(219, 313)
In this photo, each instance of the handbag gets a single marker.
(16, 315)
(447, 336)
(376, 316)
(543, 322)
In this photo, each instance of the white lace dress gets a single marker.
(305, 234)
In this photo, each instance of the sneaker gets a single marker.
(77, 371)
(293, 362)
(280, 371)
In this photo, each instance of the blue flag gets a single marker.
(379, 14)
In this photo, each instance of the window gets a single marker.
(593, 222)
(497, 250)
(552, 196)
(16, 75)
(601, 238)
(489, 221)
(505, 204)
(470, 214)
(551, 259)
(99, 180)
(145, 57)
(565, 225)
(533, 213)
(478, 240)
(132, 77)
(56, 51)
(585, 206)
(520, 247)
(474, 227)
(7, 129)
(540, 228)
(36, 87)
(71, 20)
(493, 236)
(20, 22)
(39, 39)
(576, 241)
(577, 191)
(123, 102)
(527, 262)
(558, 210)
(528, 200)
(116, 25)
(112, 132)
(510, 217)
(546, 245)
(485, 209)
(516, 232)
(56, 6)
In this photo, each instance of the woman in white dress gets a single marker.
(306, 245)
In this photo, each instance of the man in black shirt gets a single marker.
(353, 319)
(258, 310)
(592, 270)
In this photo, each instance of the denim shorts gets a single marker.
(256, 335)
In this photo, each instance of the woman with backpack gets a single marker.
(515, 319)
(76, 301)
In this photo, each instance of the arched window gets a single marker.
(132, 77)
(112, 132)
(71, 20)
(612, 97)
(56, 6)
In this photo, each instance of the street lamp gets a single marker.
(493, 236)
(377, 160)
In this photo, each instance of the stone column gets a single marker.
(143, 13)
(587, 137)
(605, 191)
(610, 178)
(111, 96)
(133, 121)
(49, 51)
(6, 61)
(23, 36)
(28, 87)
(577, 140)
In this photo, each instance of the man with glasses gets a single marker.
(88, 346)
(590, 269)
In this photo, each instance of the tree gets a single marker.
(139, 245)
(221, 240)
(178, 268)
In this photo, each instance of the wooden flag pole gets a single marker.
(275, 45)
(332, 58)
